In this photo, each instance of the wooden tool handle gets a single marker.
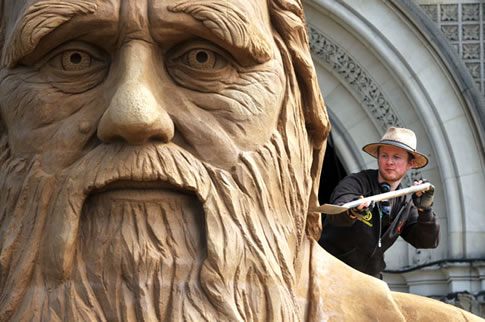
(389, 195)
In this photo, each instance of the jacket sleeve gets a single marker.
(422, 229)
(348, 189)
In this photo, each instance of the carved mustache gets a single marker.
(117, 166)
(111, 167)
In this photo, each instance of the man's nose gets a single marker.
(135, 114)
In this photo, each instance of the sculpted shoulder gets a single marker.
(341, 293)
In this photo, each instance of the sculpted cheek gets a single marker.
(51, 103)
(256, 108)
(21, 110)
(246, 110)
(38, 124)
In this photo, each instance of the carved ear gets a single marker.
(288, 18)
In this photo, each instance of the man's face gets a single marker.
(393, 163)
(140, 72)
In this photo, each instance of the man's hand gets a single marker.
(361, 210)
(423, 200)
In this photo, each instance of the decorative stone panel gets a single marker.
(450, 31)
(471, 32)
(462, 24)
(449, 12)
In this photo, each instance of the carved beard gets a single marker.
(142, 253)
(229, 255)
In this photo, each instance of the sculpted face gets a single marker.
(138, 72)
(156, 159)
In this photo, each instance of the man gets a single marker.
(157, 162)
(360, 236)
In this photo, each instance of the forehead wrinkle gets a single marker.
(37, 21)
(228, 24)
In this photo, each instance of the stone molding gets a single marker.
(454, 281)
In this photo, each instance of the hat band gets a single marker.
(398, 144)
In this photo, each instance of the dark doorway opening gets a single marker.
(332, 172)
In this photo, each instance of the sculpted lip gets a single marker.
(139, 189)
(152, 167)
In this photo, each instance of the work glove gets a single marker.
(359, 213)
(425, 201)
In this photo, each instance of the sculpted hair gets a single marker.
(2, 26)
(287, 17)
(2, 40)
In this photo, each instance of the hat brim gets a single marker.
(421, 159)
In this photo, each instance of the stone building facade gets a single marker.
(420, 65)
(462, 24)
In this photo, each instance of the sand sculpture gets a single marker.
(157, 162)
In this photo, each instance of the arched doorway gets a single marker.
(332, 172)
(379, 64)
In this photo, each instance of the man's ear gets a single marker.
(411, 163)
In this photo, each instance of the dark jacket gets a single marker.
(356, 241)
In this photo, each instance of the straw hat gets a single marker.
(401, 138)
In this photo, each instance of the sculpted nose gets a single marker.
(135, 115)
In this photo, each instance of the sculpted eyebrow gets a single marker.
(229, 25)
(38, 21)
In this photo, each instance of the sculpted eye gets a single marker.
(76, 57)
(199, 56)
(75, 60)
(203, 59)
(75, 67)
(200, 65)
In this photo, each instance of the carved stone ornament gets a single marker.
(463, 24)
(343, 66)
(157, 163)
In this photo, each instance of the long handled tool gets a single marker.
(335, 209)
